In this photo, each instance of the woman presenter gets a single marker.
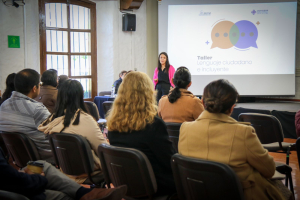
(163, 75)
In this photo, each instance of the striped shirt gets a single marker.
(22, 114)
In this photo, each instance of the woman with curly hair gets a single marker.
(132, 123)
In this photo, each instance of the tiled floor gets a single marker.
(281, 157)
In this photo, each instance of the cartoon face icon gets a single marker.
(242, 35)
(247, 34)
(220, 35)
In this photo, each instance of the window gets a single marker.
(68, 41)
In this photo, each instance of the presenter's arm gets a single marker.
(155, 76)
(171, 74)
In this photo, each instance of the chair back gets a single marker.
(3, 147)
(298, 150)
(72, 153)
(107, 106)
(5, 195)
(92, 109)
(173, 131)
(125, 166)
(202, 179)
(21, 148)
(103, 93)
(267, 127)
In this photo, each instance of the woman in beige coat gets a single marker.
(218, 137)
(70, 116)
(180, 105)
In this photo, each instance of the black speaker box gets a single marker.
(128, 22)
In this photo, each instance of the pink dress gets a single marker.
(171, 74)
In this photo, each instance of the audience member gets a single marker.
(48, 93)
(132, 123)
(21, 113)
(218, 137)
(180, 105)
(61, 80)
(52, 184)
(70, 116)
(10, 87)
(118, 82)
(297, 123)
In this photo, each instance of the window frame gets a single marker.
(93, 53)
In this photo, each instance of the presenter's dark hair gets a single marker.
(182, 78)
(26, 79)
(167, 62)
(219, 96)
(10, 87)
(69, 100)
(49, 77)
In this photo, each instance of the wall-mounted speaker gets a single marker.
(128, 22)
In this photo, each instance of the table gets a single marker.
(98, 100)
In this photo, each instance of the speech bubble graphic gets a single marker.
(248, 34)
(220, 35)
(234, 34)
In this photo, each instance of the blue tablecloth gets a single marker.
(98, 100)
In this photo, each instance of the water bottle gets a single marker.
(113, 91)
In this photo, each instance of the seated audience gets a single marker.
(10, 87)
(48, 93)
(118, 82)
(52, 184)
(70, 116)
(180, 105)
(61, 80)
(297, 123)
(132, 123)
(217, 137)
(21, 113)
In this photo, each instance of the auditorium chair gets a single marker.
(203, 179)
(298, 150)
(72, 153)
(131, 167)
(103, 93)
(107, 106)
(173, 131)
(268, 130)
(92, 109)
(5, 195)
(4, 149)
(20, 148)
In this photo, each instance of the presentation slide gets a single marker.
(233, 39)
(250, 43)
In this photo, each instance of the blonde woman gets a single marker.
(132, 123)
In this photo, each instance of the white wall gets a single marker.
(118, 50)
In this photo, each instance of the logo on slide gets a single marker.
(243, 34)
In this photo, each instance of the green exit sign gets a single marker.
(13, 41)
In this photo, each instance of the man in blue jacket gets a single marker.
(52, 184)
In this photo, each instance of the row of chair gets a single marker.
(72, 153)
(269, 131)
(194, 178)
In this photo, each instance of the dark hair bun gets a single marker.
(213, 105)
